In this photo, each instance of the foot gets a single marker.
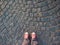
(26, 35)
(33, 39)
(26, 40)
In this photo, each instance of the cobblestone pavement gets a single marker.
(18, 16)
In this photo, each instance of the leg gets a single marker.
(33, 39)
(26, 40)
(34, 42)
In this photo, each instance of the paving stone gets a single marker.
(58, 26)
(57, 33)
(46, 24)
(1, 40)
(45, 8)
(58, 21)
(43, 28)
(53, 28)
(52, 5)
(52, 11)
(2, 28)
(19, 16)
(44, 14)
(45, 19)
(41, 23)
(1, 2)
(53, 23)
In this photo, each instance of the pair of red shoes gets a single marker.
(26, 35)
(26, 39)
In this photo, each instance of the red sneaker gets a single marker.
(33, 35)
(33, 39)
(26, 35)
(26, 40)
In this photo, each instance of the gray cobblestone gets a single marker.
(18, 16)
(52, 5)
(45, 8)
(45, 19)
(42, 4)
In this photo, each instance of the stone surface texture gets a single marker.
(19, 16)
